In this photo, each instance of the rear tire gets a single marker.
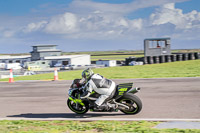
(80, 110)
(133, 102)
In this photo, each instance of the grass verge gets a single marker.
(22, 126)
(166, 70)
(113, 57)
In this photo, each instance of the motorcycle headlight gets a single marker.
(70, 92)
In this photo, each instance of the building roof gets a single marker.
(44, 45)
(47, 50)
(63, 57)
(155, 39)
(14, 57)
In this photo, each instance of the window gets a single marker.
(152, 44)
(157, 44)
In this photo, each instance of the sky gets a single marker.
(97, 25)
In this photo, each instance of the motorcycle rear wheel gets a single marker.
(81, 109)
(133, 102)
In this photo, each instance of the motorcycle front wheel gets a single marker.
(76, 107)
(134, 103)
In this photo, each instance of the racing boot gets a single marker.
(104, 107)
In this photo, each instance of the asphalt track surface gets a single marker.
(163, 99)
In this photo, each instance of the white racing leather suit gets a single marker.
(102, 86)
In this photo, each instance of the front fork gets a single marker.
(77, 101)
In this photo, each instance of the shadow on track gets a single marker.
(62, 115)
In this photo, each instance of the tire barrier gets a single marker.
(150, 60)
(162, 59)
(179, 57)
(197, 55)
(155, 59)
(173, 57)
(145, 60)
(191, 56)
(165, 58)
(185, 56)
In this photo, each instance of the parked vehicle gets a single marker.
(13, 66)
(58, 65)
(2, 65)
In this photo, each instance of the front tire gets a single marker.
(80, 110)
(134, 103)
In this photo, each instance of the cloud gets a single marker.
(87, 20)
(85, 6)
(90, 26)
(8, 33)
(169, 14)
(35, 26)
(103, 20)
(62, 24)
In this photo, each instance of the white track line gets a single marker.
(103, 119)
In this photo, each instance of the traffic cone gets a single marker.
(11, 80)
(55, 74)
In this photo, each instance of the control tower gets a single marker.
(157, 46)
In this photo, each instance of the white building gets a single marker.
(15, 59)
(69, 60)
(107, 63)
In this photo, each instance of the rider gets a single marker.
(100, 85)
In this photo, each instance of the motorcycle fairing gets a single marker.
(123, 88)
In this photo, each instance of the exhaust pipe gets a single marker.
(134, 90)
(120, 105)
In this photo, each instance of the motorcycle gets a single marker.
(122, 99)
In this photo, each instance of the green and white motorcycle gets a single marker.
(122, 99)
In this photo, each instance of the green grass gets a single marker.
(93, 53)
(22, 126)
(185, 50)
(174, 69)
(131, 52)
(109, 55)
(114, 57)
